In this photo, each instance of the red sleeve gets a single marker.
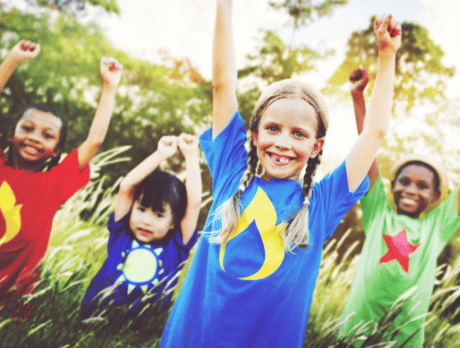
(67, 178)
(3, 158)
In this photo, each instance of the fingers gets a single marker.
(168, 141)
(388, 32)
(111, 64)
(28, 46)
(356, 75)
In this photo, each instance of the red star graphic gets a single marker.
(399, 249)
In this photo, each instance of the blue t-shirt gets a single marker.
(133, 269)
(247, 291)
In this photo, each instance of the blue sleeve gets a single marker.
(180, 243)
(116, 227)
(335, 199)
(226, 157)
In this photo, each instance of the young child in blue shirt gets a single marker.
(251, 280)
(151, 230)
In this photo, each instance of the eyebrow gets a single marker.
(46, 127)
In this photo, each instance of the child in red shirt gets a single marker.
(29, 196)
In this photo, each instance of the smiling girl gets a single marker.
(29, 196)
(251, 282)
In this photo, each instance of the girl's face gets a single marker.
(35, 139)
(414, 189)
(148, 225)
(286, 138)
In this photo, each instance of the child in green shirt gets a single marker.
(400, 250)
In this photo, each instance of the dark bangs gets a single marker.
(161, 188)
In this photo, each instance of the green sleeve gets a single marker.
(446, 216)
(373, 204)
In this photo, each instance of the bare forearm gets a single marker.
(381, 101)
(359, 106)
(7, 68)
(99, 126)
(140, 172)
(224, 68)
(193, 183)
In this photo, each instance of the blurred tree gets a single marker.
(75, 7)
(420, 74)
(152, 100)
(274, 59)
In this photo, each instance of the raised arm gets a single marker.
(167, 146)
(223, 69)
(375, 127)
(22, 51)
(358, 82)
(111, 74)
(188, 144)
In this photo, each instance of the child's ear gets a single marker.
(56, 152)
(255, 137)
(392, 186)
(10, 136)
(436, 196)
(317, 147)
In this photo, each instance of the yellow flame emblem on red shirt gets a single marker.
(263, 212)
(11, 213)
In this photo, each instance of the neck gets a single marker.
(18, 162)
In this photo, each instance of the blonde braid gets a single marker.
(297, 232)
(229, 212)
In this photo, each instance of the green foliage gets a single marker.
(74, 7)
(420, 74)
(152, 100)
(275, 60)
(305, 12)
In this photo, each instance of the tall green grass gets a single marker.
(78, 249)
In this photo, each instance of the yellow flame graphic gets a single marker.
(263, 212)
(10, 211)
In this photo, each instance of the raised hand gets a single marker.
(167, 146)
(388, 33)
(24, 50)
(110, 72)
(188, 144)
(359, 80)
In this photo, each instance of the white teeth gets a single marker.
(408, 201)
(283, 160)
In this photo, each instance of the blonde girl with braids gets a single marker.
(252, 278)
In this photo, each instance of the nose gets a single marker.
(34, 136)
(282, 141)
(411, 188)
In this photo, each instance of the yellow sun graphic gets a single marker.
(142, 267)
(10, 211)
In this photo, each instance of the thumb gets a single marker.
(386, 23)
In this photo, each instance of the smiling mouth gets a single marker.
(32, 150)
(145, 232)
(407, 201)
(280, 160)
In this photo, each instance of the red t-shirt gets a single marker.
(28, 203)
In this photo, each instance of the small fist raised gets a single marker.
(188, 144)
(388, 33)
(167, 146)
(359, 80)
(25, 50)
(110, 71)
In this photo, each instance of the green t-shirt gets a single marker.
(399, 253)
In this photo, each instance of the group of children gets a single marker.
(251, 281)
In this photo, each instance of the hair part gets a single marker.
(296, 234)
(160, 188)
